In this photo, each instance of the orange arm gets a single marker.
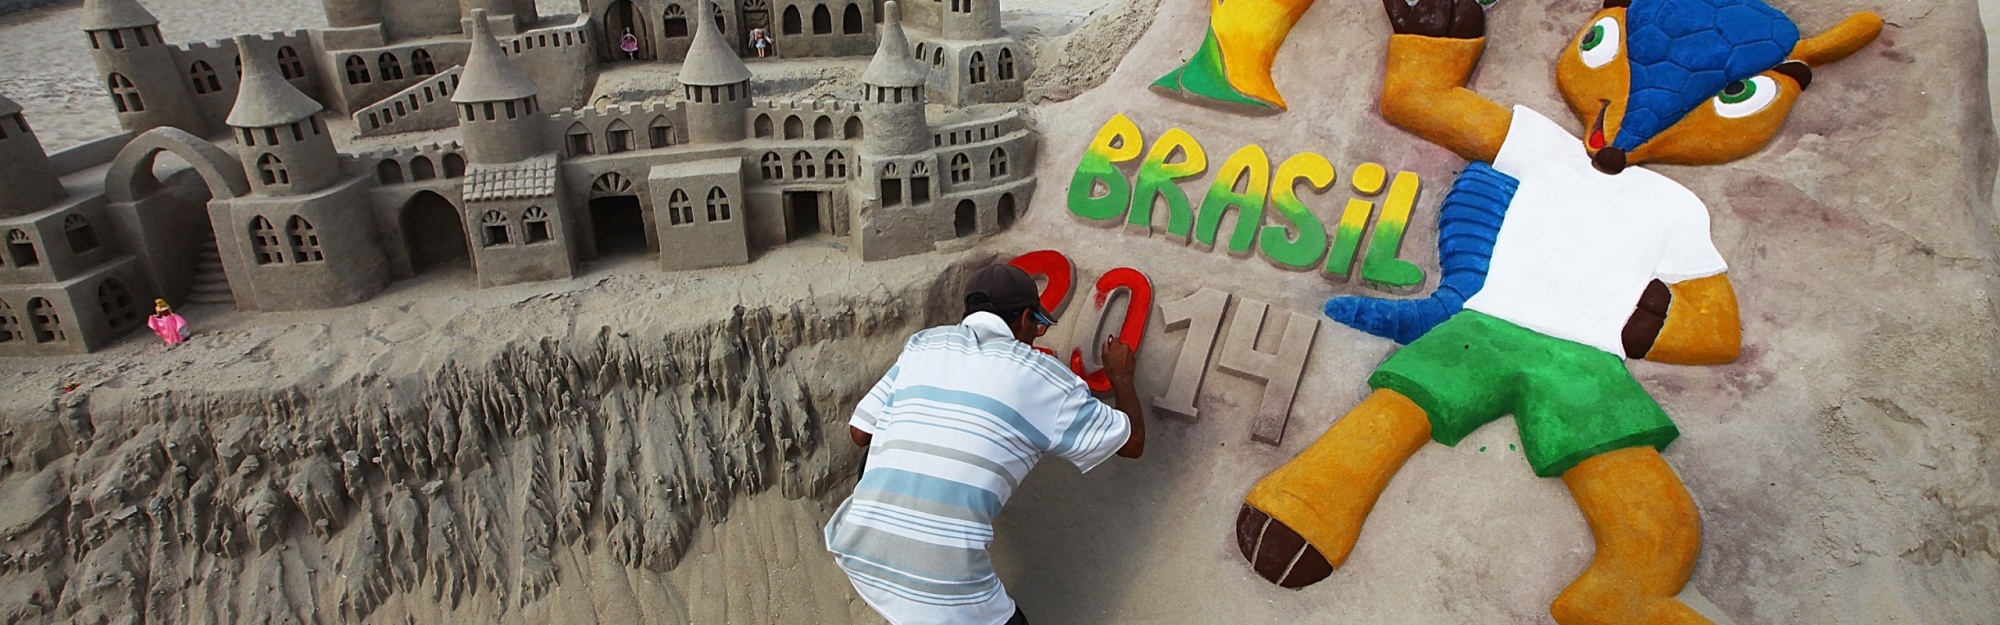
(1424, 92)
(1702, 325)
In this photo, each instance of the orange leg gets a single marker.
(1648, 535)
(1302, 520)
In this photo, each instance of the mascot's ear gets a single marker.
(1849, 36)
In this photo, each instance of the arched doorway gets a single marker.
(757, 14)
(617, 219)
(618, 17)
(966, 221)
(434, 233)
(1006, 211)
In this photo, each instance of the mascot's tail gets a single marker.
(1468, 225)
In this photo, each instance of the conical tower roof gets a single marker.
(266, 99)
(489, 75)
(8, 106)
(710, 62)
(115, 14)
(893, 66)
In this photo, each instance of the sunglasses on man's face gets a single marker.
(1042, 322)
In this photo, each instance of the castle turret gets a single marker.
(137, 68)
(892, 93)
(27, 183)
(352, 13)
(972, 20)
(280, 135)
(496, 102)
(499, 15)
(715, 83)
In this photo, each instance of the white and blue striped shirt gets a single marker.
(958, 422)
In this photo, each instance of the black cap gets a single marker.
(1007, 288)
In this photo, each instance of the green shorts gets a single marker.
(1571, 401)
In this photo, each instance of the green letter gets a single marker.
(1278, 245)
(1118, 141)
(1382, 267)
(1157, 177)
(1251, 166)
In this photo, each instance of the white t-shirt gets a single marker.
(1578, 246)
(958, 422)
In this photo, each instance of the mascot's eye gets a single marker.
(1744, 98)
(1600, 43)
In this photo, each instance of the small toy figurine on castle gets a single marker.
(171, 327)
(1559, 257)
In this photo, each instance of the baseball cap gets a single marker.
(1008, 288)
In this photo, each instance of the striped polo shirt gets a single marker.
(958, 422)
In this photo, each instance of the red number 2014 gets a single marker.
(1061, 276)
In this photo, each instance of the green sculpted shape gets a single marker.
(1382, 267)
(1250, 164)
(1367, 180)
(1277, 241)
(1117, 142)
(1157, 179)
(1205, 76)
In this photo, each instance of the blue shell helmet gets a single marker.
(1683, 52)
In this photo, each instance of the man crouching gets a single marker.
(951, 430)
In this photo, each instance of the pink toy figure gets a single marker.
(629, 44)
(761, 41)
(171, 327)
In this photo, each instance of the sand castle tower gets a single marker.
(280, 135)
(717, 85)
(497, 109)
(971, 20)
(28, 183)
(352, 13)
(892, 94)
(137, 68)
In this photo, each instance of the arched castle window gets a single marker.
(772, 166)
(124, 95)
(791, 23)
(304, 241)
(493, 226)
(680, 210)
(357, 70)
(795, 128)
(892, 186)
(1006, 63)
(454, 165)
(836, 164)
(920, 50)
(82, 237)
(117, 303)
(422, 169)
(661, 133)
(853, 129)
(822, 20)
(677, 22)
(610, 184)
(762, 127)
(1006, 210)
(239, 66)
(966, 221)
(850, 20)
(716, 10)
(289, 63)
(204, 78)
(920, 182)
(718, 204)
(579, 140)
(390, 69)
(618, 137)
(273, 170)
(389, 172)
(10, 326)
(264, 242)
(937, 55)
(996, 164)
(878, 11)
(536, 224)
(822, 127)
(21, 249)
(47, 325)
(802, 165)
(421, 63)
(961, 169)
(978, 68)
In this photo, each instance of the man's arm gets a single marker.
(1118, 365)
(861, 439)
(1435, 47)
(1691, 322)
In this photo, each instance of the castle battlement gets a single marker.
(614, 111)
(548, 37)
(288, 37)
(403, 152)
(820, 105)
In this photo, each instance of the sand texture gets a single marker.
(642, 446)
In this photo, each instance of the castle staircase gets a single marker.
(211, 286)
(425, 105)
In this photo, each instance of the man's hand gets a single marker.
(1451, 19)
(1119, 364)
